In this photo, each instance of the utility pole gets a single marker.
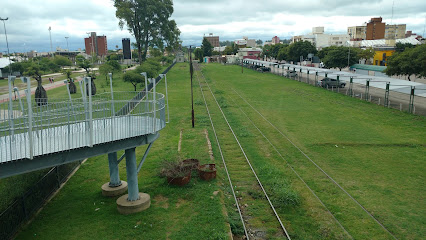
(191, 70)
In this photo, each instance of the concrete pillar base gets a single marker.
(128, 207)
(108, 191)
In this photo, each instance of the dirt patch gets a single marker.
(180, 140)
(180, 202)
(161, 201)
(209, 145)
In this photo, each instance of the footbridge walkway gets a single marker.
(36, 134)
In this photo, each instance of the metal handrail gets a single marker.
(56, 126)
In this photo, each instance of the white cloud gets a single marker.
(29, 19)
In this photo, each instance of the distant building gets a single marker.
(180, 57)
(395, 31)
(214, 40)
(357, 33)
(275, 40)
(321, 40)
(376, 29)
(127, 52)
(245, 42)
(410, 33)
(251, 53)
(96, 45)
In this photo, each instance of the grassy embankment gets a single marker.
(374, 153)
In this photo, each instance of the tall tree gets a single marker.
(298, 49)
(40, 93)
(412, 61)
(338, 58)
(206, 47)
(148, 21)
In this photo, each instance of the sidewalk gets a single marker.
(5, 97)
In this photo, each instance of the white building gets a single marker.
(245, 42)
(321, 40)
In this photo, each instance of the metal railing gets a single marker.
(28, 130)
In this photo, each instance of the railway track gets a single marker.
(247, 177)
(283, 135)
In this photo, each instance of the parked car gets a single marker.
(263, 69)
(329, 82)
(290, 73)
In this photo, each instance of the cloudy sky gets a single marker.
(29, 20)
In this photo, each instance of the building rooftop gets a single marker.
(382, 42)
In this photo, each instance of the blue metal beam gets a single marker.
(12, 168)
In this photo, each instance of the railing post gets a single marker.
(367, 89)
(385, 104)
(112, 107)
(411, 103)
(155, 107)
(89, 80)
(30, 115)
(167, 97)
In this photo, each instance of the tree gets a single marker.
(115, 65)
(148, 21)
(134, 78)
(198, 52)
(366, 54)
(412, 61)
(231, 50)
(283, 53)
(300, 49)
(72, 87)
(338, 58)
(207, 48)
(83, 63)
(259, 42)
(62, 61)
(40, 93)
(400, 47)
(323, 52)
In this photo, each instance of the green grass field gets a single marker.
(376, 154)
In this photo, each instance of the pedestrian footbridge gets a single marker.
(34, 136)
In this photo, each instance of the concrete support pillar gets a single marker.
(115, 187)
(134, 201)
(132, 174)
(113, 170)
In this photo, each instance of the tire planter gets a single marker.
(190, 164)
(207, 171)
(179, 181)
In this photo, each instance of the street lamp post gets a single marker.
(50, 36)
(7, 44)
(349, 53)
(68, 49)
